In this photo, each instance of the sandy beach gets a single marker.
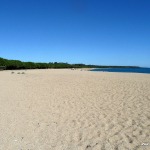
(74, 110)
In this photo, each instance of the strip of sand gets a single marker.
(74, 110)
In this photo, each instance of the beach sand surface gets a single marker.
(74, 110)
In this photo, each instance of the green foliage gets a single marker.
(16, 64)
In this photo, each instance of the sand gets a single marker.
(74, 110)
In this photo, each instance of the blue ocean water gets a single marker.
(127, 70)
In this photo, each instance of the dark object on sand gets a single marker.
(2, 68)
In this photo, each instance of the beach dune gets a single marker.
(74, 110)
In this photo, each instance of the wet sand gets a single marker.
(74, 110)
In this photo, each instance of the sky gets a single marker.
(100, 32)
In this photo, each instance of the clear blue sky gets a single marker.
(103, 32)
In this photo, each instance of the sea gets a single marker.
(124, 70)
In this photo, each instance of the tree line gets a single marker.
(17, 64)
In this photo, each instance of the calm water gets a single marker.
(128, 70)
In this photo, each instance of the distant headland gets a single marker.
(17, 64)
